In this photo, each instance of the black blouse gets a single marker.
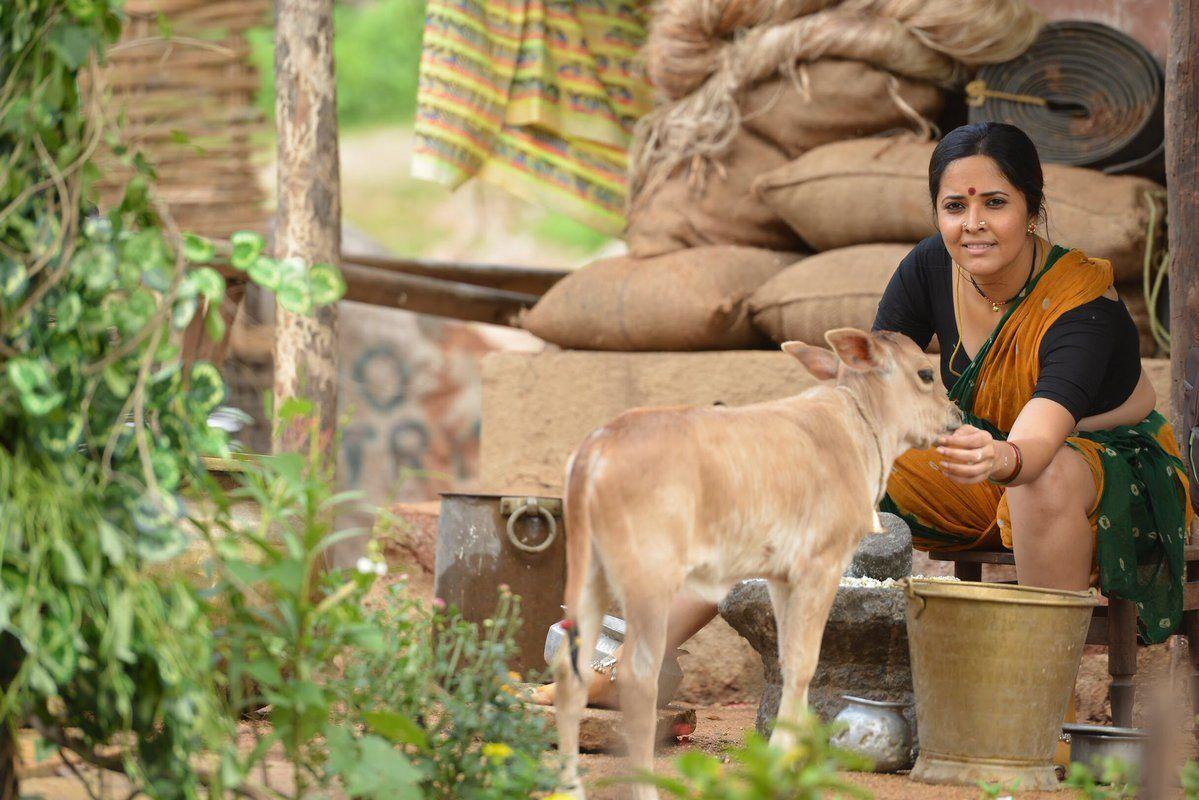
(1090, 356)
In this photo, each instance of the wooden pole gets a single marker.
(1182, 183)
(524, 280)
(308, 217)
(426, 295)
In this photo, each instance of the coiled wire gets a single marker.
(1086, 94)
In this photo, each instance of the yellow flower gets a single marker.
(497, 751)
(559, 796)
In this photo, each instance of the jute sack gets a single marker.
(689, 300)
(844, 99)
(677, 215)
(871, 190)
(836, 100)
(835, 289)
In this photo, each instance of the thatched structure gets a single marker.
(183, 89)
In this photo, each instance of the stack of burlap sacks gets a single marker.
(782, 176)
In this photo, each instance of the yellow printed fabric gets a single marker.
(537, 96)
(1142, 508)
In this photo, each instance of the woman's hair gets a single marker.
(1006, 145)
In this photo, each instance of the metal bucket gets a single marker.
(484, 540)
(993, 666)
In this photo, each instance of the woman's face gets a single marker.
(981, 215)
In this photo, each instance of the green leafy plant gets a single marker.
(1189, 779)
(1114, 779)
(996, 790)
(474, 738)
(401, 701)
(757, 771)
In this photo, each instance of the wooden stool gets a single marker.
(1113, 625)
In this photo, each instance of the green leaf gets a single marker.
(136, 310)
(28, 375)
(214, 324)
(206, 388)
(12, 278)
(157, 278)
(381, 772)
(38, 405)
(197, 249)
(209, 283)
(182, 312)
(326, 284)
(294, 408)
(68, 562)
(396, 728)
(98, 228)
(295, 296)
(117, 381)
(73, 43)
(159, 536)
(62, 436)
(146, 249)
(265, 272)
(165, 29)
(68, 312)
(111, 542)
(247, 246)
(166, 469)
(97, 265)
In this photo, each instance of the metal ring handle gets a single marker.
(532, 548)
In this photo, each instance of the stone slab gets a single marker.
(600, 728)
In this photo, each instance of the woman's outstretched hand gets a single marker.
(967, 455)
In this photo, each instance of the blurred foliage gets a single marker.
(377, 50)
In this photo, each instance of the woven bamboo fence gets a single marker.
(183, 89)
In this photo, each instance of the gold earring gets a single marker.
(1032, 228)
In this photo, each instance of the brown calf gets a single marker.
(663, 499)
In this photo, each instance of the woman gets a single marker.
(1063, 458)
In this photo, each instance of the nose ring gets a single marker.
(982, 224)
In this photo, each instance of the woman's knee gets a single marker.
(1065, 485)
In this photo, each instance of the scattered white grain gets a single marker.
(890, 583)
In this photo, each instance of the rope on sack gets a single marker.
(1153, 275)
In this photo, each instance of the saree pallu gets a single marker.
(1142, 507)
(536, 96)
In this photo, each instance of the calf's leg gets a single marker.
(586, 611)
(646, 608)
(805, 610)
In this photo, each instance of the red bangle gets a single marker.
(1016, 471)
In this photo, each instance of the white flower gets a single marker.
(380, 568)
(365, 565)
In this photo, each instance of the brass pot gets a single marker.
(993, 667)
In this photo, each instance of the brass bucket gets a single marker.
(993, 666)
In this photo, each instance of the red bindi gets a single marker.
(971, 191)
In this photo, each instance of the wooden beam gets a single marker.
(1182, 184)
(524, 280)
(433, 296)
(308, 215)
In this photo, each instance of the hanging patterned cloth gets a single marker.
(537, 96)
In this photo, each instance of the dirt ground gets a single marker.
(719, 727)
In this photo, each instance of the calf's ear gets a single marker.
(822, 363)
(856, 349)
